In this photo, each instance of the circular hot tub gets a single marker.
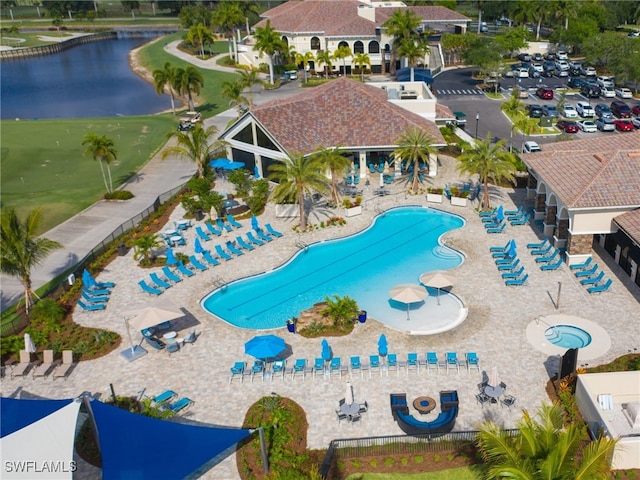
(567, 336)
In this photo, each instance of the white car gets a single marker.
(623, 93)
(590, 72)
(606, 81)
(562, 55)
(585, 110)
(587, 126)
(562, 65)
(607, 92)
(532, 147)
(537, 67)
(522, 73)
(635, 121)
(569, 111)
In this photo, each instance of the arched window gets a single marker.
(315, 43)
(358, 47)
(285, 40)
(374, 47)
(387, 48)
(343, 43)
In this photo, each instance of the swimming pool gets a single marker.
(568, 336)
(401, 244)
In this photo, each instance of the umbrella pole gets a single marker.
(438, 297)
(408, 313)
(130, 338)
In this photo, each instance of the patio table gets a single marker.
(175, 240)
(169, 232)
(350, 409)
(424, 404)
(184, 223)
(170, 336)
(493, 392)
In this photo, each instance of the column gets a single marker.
(364, 169)
(579, 248)
(532, 185)
(539, 206)
(433, 165)
(561, 233)
(550, 220)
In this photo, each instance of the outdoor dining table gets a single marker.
(381, 191)
(184, 223)
(494, 392)
(350, 409)
(176, 239)
(169, 232)
(170, 336)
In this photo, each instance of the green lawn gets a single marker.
(43, 163)
(462, 473)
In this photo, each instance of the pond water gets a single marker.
(90, 80)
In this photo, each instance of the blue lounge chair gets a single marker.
(581, 266)
(432, 361)
(223, 226)
(552, 266)
(180, 405)
(506, 261)
(542, 251)
(213, 230)
(254, 240)
(520, 221)
(487, 213)
(164, 397)
(510, 266)
(210, 260)
(515, 274)
(374, 364)
(158, 281)
(148, 289)
(517, 281)
(222, 254)
(538, 246)
(184, 270)
(515, 213)
(452, 361)
(381, 167)
(262, 236)
(97, 292)
(231, 247)
(600, 288)
(91, 299)
(233, 221)
(92, 306)
(504, 249)
(335, 367)
(318, 367)
(154, 342)
(237, 369)
(588, 272)
(170, 275)
(194, 261)
(271, 231)
(202, 234)
(356, 366)
(278, 368)
(548, 258)
(392, 363)
(412, 362)
(244, 244)
(497, 229)
(505, 253)
(472, 361)
(348, 180)
(372, 168)
(356, 179)
(593, 280)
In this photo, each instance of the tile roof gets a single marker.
(630, 223)
(342, 112)
(340, 17)
(597, 172)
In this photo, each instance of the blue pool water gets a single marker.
(400, 245)
(568, 336)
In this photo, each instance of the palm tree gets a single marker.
(526, 125)
(233, 90)
(513, 108)
(490, 161)
(143, 247)
(333, 159)
(401, 25)
(101, 148)
(298, 176)
(342, 53)
(162, 78)
(228, 16)
(566, 9)
(198, 35)
(268, 41)
(249, 78)
(194, 145)
(413, 50)
(304, 59)
(324, 57)
(21, 249)
(362, 59)
(189, 80)
(545, 449)
(415, 145)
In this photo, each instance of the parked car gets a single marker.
(550, 111)
(551, 56)
(590, 90)
(562, 55)
(604, 81)
(562, 65)
(522, 72)
(536, 57)
(535, 110)
(633, 34)
(575, 69)
(545, 93)
(636, 110)
(623, 125)
(484, 28)
(536, 67)
(575, 82)
(620, 109)
(569, 111)
(635, 121)
(585, 110)
(623, 93)
(589, 72)
(561, 73)
(603, 111)
(607, 92)
(524, 57)
(568, 126)
(605, 124)
(587, 126)
(531, 147)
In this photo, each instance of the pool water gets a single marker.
(398, 247)
(567, 336)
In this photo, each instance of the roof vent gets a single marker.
(599, 157)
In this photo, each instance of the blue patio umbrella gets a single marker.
(326, 350)
(382, 345)
(256, 172)
(265, 346)
(254, 222)
(198, 246)
(219, 163)
(233, 165)
(171, 258)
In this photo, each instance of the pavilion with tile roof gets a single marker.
(589, 190)
(358, 117)
(319, 25)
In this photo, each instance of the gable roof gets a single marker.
(630, 223)
(591, 173)
(342, 112)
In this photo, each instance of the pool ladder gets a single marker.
(219, 282)
(301, 244)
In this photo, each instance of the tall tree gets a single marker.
(337, 163)
(198, 35)
(361, 60)
(228, 16)
(513, 108)
(304, 59)
(401, 25)
(249, 78)
(324, 57)
(189, 81)
(21, 249)
(233, 90)
(526, 125)
(490, 161)
(341, 53)
(413, 50)
(415, 146)
(163, 77)
(102, 149)
(268, 42)
(545, 449)
(298, 176)
(195, 145)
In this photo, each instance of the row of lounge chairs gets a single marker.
(167, 401)
(591, 276)
(549, 257)
(94, 295)
(222, 226)
(44, 368)
(508, 263)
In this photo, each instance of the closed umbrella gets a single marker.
(87, 279)
(408, 293)
(348, 395)
(198, 246)
(326, 350)
(28, 344)
(254, 222)
(256, 173)
(494, 378)
(437, 279)
(381, 181)
(171, 258)
(385, 170)
(213, 213)
(265, 346)
(382, 345)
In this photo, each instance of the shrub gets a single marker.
(259, 196)
(48, 309)
(240, 179)
(435, 190)
(118, 195)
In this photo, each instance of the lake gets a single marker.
(90, 80)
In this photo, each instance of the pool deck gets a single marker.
(496, 329)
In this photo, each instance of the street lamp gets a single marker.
(477, 121)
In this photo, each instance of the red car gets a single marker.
(636, 110)
(568, 126)
(545, 93)
(623, 125)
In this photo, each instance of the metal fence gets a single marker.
(395, 445)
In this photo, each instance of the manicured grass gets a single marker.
(462, 473)
(43, 163)
(30, 39)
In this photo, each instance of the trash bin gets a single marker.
(122, 249)
(199, 214)
(362, 317)
(291, 327)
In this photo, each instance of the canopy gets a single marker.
(42, 431)
(265, 346)
(408, 293)
(437, 279)
(87, 279)
(219, 163)
(161, 311)
(233, 165)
